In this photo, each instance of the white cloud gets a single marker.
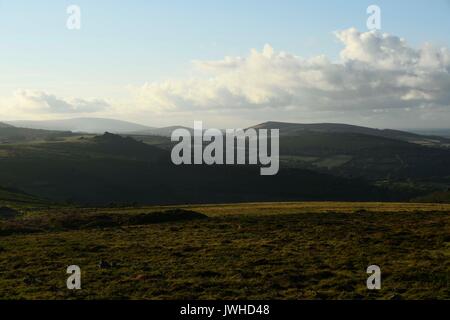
(376, 72)
(32, 104)
(49, 103)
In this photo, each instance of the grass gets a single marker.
(18, 199)
(241, 251)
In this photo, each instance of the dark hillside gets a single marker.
(111, 168)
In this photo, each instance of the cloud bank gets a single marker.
(32, 103)
(377, 72)
(49, 103)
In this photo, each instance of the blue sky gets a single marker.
(129, 43)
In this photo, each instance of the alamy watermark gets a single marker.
(227, 147)
(374, 19)
(374, 280)
(74, 20)
(74, 280)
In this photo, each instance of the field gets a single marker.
(311, 250)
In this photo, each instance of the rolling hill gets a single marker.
(318, 162)
(5, 125)
(352, 151)
(296, 129)
(110, 168)
(161, 132)
(11, 134)
(87, 125)
(365, 156)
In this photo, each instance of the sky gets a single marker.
(227, 62)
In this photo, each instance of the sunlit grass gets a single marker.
(307, 250)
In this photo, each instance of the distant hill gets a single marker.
(295, 129)
(161, 132)
(318, 162)
(87, 125)
(361, 155)
(5, 125)
(10, 134)
(380, 156)
(432, 132)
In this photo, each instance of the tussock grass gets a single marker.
(245, 251)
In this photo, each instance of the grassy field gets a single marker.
(317, 250)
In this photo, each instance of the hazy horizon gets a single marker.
(30, 123)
